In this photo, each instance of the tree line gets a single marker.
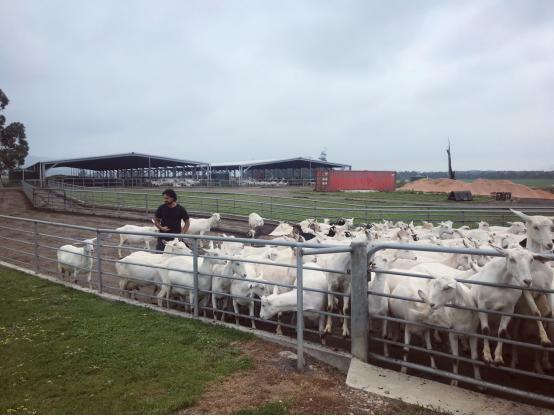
(476, 174)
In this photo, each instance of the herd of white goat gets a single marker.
(241, 280)
(174, 182)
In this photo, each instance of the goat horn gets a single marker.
(521, 215)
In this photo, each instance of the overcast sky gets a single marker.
(381, 85)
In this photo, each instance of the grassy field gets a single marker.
(64, 351)
(533, 183)
(364, 207)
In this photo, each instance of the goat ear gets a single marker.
(422, 295)
(509, 222)
(540, 258)
(521, 215)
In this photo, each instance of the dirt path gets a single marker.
(274, 380)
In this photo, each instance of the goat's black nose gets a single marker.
(549, 246)
(527, 282)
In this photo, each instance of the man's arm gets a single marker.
(158, 224)
(186, 226)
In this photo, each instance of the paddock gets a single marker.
(23, 250)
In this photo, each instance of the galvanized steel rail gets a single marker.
(362, 345)
(110, 202)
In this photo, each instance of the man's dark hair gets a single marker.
(170, 193)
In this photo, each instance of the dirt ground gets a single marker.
(274, 378)
(479, 187)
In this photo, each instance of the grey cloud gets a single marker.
(382, 85)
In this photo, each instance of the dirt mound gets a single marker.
(479, 187)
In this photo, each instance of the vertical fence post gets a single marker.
(195, 274)
(146, 203)
(360, 314)
(99, 259)
(35, 236)
(92, 201)
(299, 310)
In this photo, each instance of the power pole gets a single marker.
(451, 173)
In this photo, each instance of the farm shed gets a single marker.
(332, 180)
(297, 170)
(126, 169)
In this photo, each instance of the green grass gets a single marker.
(64, 351)
(389, 198)
(305, 204)
(268, 408)
(533, 183)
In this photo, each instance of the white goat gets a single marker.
(515, 270)
(131, 238)
(437, 289)
(71, 258)
(255, 222)
(182, 281)
(283, 229)
(517, 227)
(462, 320)
(337, 282)
(378, 303)
(140, 269)
(539, 240)
(200, 226)
(312, 301)
(243, 292)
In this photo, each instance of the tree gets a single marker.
(451, 173)
(323, 155)
(13, 141)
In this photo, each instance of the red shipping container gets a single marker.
(343, 180)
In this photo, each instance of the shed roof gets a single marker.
(118, 161)
(297, 162)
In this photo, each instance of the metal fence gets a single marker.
(117, 201)
(188, 182)
(35, 244)
(525, 383)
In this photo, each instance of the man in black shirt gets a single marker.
(168, 217)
